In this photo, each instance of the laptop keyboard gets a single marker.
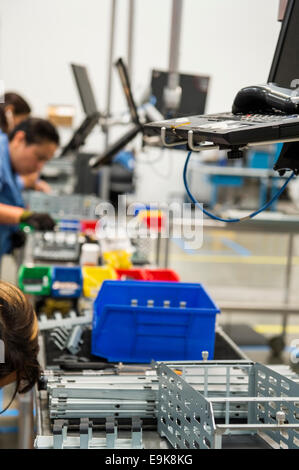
(253, 118)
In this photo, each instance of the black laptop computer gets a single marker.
(235, 130)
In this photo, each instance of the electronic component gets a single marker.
(56, 246)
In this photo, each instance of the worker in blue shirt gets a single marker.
(13, 111)
(29, 146)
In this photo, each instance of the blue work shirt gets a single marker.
(10, 193)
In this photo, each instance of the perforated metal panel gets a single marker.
(271, 384)
(189, 418)
(185, 417)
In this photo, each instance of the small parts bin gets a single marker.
(88, 226)
(162, 275)
(129, 274)
(141, 321)
(148, 275)
(35, 280)
(93, 276)
(118, 259)
(72, 225)
(66, 282)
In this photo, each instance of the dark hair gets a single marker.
(17, 319)
(19, 104)
(36, 131)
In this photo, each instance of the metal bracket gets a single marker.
(136, 432)
(59, 433)
(74, 340)
(173, 144)
(71, 320)
(200, 147)
(111, 432)
(85, 433)
(59, 336)
(189, 142)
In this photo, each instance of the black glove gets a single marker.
(18, 239)
(38, 221)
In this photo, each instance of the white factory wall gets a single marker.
(232, 41)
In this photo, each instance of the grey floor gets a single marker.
(233, 267)
(245, 269)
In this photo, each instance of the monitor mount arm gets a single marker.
(80, 135)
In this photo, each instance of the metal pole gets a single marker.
(158, 249)
(131, 16)
(175, 35)
(110, 66)
(278, 343)
(167, 240)
(26, 432)
(287, 283)
(172, 93)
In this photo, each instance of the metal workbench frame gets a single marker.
(196, 404)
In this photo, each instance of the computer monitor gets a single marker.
(194, 92)
(92, 115)
(85, 90)
(285, 73)
(285, 66)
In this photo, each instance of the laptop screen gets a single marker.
(125, 82)
(285, 67)
(85, 91)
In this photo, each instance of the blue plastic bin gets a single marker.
(150, 330)
(72, 225)
(66, 282)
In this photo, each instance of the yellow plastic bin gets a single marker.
(93, 276)
(118, 259)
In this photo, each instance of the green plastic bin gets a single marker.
(35, 280)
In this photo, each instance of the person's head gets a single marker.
(31, 144)
(19, 334)
(14, 110)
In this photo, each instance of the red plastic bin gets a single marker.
(161, 275)
(88, 226)
(136, 274)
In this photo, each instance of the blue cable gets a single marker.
(212, 216)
